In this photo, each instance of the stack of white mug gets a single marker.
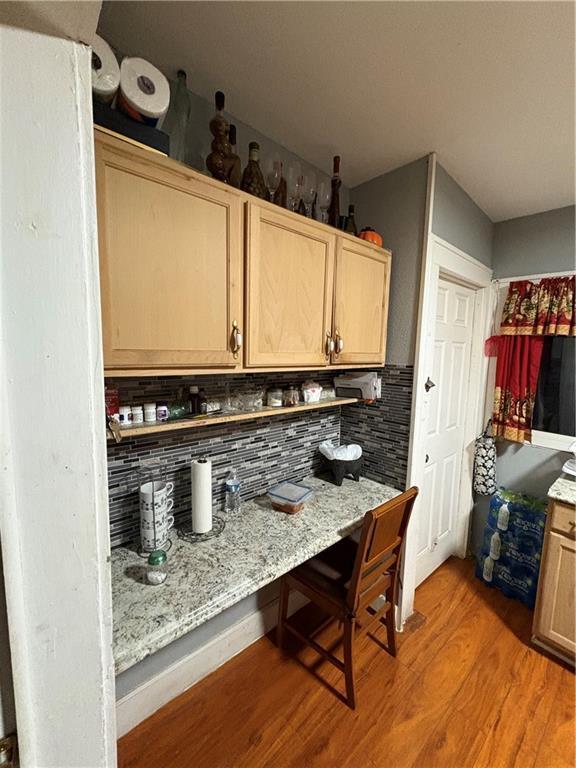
(155, 522)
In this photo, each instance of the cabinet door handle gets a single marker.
(236, 338)
(329, 344)
(339, 343)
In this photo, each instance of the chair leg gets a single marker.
(282, 611)
(349, 633)
(391, 622)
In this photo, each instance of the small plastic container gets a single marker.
(157, 568)
(149, 412)
(161, 412)
(289, 497)
(137, 414)
(274, 398)
(125, 416)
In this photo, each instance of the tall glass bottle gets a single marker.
(177, 118)
(334, 209)
(252, 178)
(235, 173)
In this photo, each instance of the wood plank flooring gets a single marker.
(465, 691)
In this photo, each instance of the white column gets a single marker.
(53, 510)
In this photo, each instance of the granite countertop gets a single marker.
(563, 490)
(258, 545)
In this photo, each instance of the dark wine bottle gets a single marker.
(350, 222)
(252, 178)
(334, 209)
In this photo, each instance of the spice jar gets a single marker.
(274, 398)
(157, 569)
(291, 396)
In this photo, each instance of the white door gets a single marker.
(444, 433)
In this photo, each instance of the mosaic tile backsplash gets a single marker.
(383, 429)
(264, 451)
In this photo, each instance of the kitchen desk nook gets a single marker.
(257, 546)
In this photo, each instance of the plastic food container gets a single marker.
(312, 392)
(289, 497)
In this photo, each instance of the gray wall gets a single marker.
(534, 244)
(457, 219)
(395, 205)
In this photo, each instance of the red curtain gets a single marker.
(531, 311)
(536, 309)
(517, 371)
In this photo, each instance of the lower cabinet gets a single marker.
(555, 615)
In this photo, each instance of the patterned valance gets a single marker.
(545, 308)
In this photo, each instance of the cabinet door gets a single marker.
(556, 609)
(361, 303)
(170, 262)
(290, 272)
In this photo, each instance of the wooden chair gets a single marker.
(346, 579)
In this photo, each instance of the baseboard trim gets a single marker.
(143, 701)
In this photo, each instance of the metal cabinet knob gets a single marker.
(429, 384)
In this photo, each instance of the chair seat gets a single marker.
(329, 572)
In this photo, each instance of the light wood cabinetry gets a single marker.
(175, 249)
(360, 303)
(555, 615)
(171, 251)
(289, 287)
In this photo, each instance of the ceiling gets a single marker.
(489, 86)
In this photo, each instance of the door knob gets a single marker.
(429, 384)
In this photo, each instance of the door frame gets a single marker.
(442, 259)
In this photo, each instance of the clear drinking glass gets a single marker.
(273, 176)
(293, 186)
(324, 194)
(308, 192)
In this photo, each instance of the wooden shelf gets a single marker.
(206, 421)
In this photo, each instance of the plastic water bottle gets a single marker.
(232, 501)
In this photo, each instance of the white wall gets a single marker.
(53, 515)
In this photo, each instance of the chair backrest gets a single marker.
(379, 549)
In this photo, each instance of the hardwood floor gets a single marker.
(465, 691)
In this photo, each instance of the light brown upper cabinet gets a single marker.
(360, 303)
(171, 262)
(289, 289)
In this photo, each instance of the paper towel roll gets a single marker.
(144, 91)
(105, 70)
(201, 476)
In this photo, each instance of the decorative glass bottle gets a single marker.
(334, 209)
(252, 178)
(351, 222)
(218, 160)
(235, 172)
(177, 118)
